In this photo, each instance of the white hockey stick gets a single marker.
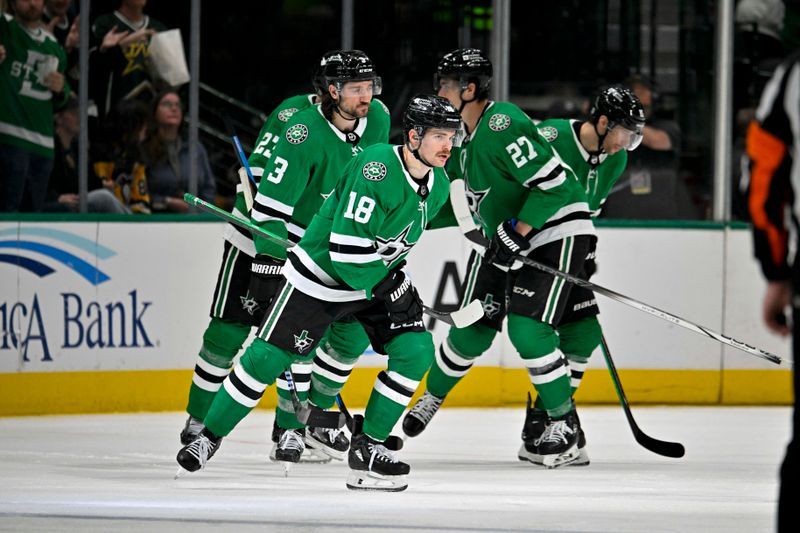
(471, 231)
(461, 318)
(245, 174)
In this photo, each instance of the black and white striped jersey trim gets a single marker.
(309, 278)
(572, 219)
(266, 209)
(551, 175)
(349, 249)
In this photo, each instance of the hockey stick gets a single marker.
(474, 235)
(312, 417)
(461, 318)
(661, 447)
(354, 423)
(247, 178)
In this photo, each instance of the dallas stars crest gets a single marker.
(475, 198)
(249, 303)
(549, 133)
(499, 122)
(297, 133)
(391, 249)
(302, 342)
(286, 114)
(490, 307)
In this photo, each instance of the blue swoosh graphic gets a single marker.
(77, 241)
(84, 269)
(40, 269)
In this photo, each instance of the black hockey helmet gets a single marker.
(430, 111)
(337, 67)
(465, 65)
(620, 106)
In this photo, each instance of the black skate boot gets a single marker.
(191, 430)
(418, 417)
(374, 467)
(289, 448)
(558, 445)
(310, 455)
(194, 455)
(535, 423)
(328, 441)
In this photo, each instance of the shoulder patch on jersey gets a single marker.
(297, 133)
(549, 133)
(286, 114)
(383, 106)
(499, 122)
(374, 171)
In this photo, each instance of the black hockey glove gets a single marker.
(265, 276)
(506, 243)
(401, 298)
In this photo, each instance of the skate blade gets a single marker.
(181, 472)
(556, 461)
(287, 467)
(374, 482)
(319, 453)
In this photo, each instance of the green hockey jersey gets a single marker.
(367, 226)
(511, 172)
(303, 169)
(26, 104)
(562, 134)
(265, 143)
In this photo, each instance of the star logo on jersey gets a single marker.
(374, 171)
(297, 133)
(391, 249)
(249, 303)
(549, 133)
(285, 114)
(302, 342)
(474, 199)
(490, 307)
(499, 122)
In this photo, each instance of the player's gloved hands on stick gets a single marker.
(401, 298)
(265, 276)
(506, 243)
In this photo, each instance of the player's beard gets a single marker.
(32, 15)
(358, 110)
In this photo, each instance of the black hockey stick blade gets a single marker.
(393, 442)
(660, 447)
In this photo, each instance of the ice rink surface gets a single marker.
(115, 473)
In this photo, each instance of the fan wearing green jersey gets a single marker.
(526, 202)
(348, 266)
(245, 286)
(597, 151)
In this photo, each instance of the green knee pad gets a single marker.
(264, 361)
(580, 338)
(532, 338)
(348, 339)
(471, 341)
(222, 340)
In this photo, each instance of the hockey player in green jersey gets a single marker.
(242, 296)
(512, 174)
(596, 151)
(349, 266)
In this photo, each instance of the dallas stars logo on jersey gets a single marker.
(490, 307)
(499, 122)
(303, 341)
(297, 133)
(285, 114)
(249, 303)
(391, 249)
(374, 171)
(549, 133)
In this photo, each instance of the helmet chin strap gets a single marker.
(594, 156)
(416, 153)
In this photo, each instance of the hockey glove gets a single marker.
(265, 276)
(506, 243)
(400, 297)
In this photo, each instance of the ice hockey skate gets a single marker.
(416, 420)
(194, 455)
(328, 442)
(535, 422)
(289, 448)
(191, 430)
(558, 445)
(310, 455)
(374, 467)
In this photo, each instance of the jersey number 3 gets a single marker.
(515, 150)
(363, 211)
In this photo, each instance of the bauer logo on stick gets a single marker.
(499, 122)
(374, 171)
(297, 134)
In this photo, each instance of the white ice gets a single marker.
(115, 472)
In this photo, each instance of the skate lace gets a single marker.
(200, 448)
(379, 453)
(426, 407)
(556, 432)
(291, 440)
(332, 433)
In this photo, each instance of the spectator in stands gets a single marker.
(61, 20)
(32, 85)
(166, 152)
(119, 66)
(117, 158)
(63, 186)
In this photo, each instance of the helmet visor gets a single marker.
(629, 139)
(370, 87)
